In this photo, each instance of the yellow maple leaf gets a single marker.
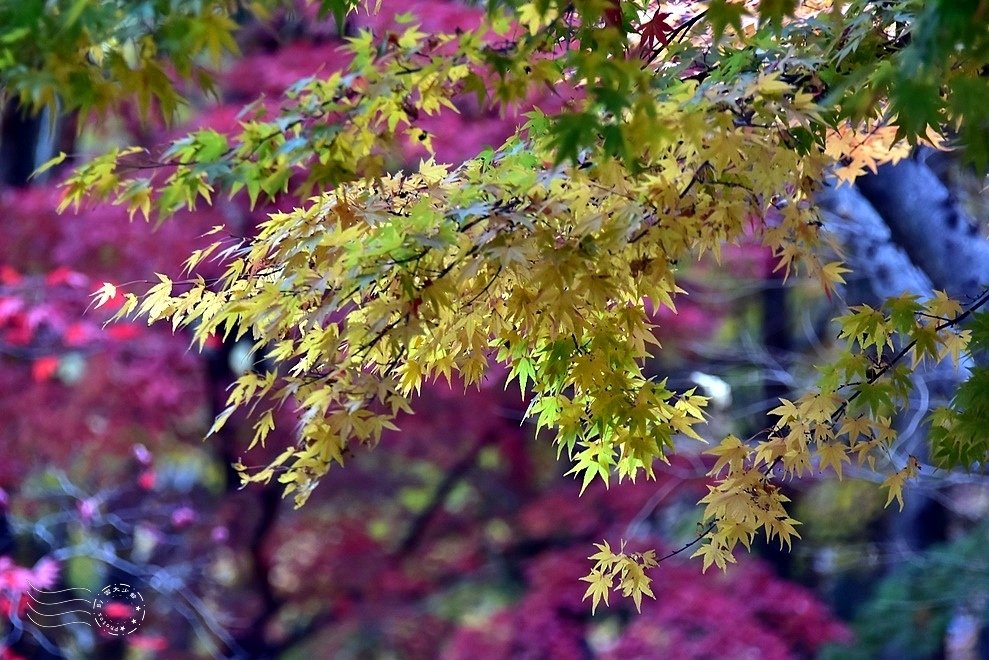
(599, 589)
(731, 452)
(953, 345)
(833, 454)
(943, 306)
(104, 294)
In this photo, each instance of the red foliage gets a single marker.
(151, 643)
(44, 368)
(271, 73)
(431, 15)
(689, 618)
(93, 389)
(16, 582)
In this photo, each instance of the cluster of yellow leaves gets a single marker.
(382, 281)
(329, 130)
(534, 19)
(849, 415)
(368, 290)
(896, 481)
(619, 571)
(865, 147)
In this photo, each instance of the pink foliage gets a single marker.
(431, 15)
(14, 578)
(271, 74)
(93, 388)
(16, 581)
(747, 614)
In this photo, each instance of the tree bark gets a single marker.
(924, 219)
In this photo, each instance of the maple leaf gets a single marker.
(361, 254)
(855, 427)
(786, 411)
(635, 583)
(953, 345)
(832, 454)
(654, 32)
(605, 556)
(613, 14)
(104, 294)
(731, 452)
(722, 13)
(943, 306)
(600, 587)
(713, 554)
(895, 482)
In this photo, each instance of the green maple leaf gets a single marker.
(773, 11)
(722, 13)
(571, 132)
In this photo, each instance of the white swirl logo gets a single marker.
(115, 610)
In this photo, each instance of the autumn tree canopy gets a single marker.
(652, 134)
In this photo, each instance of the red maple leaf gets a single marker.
(655, 31)
(613, 14)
